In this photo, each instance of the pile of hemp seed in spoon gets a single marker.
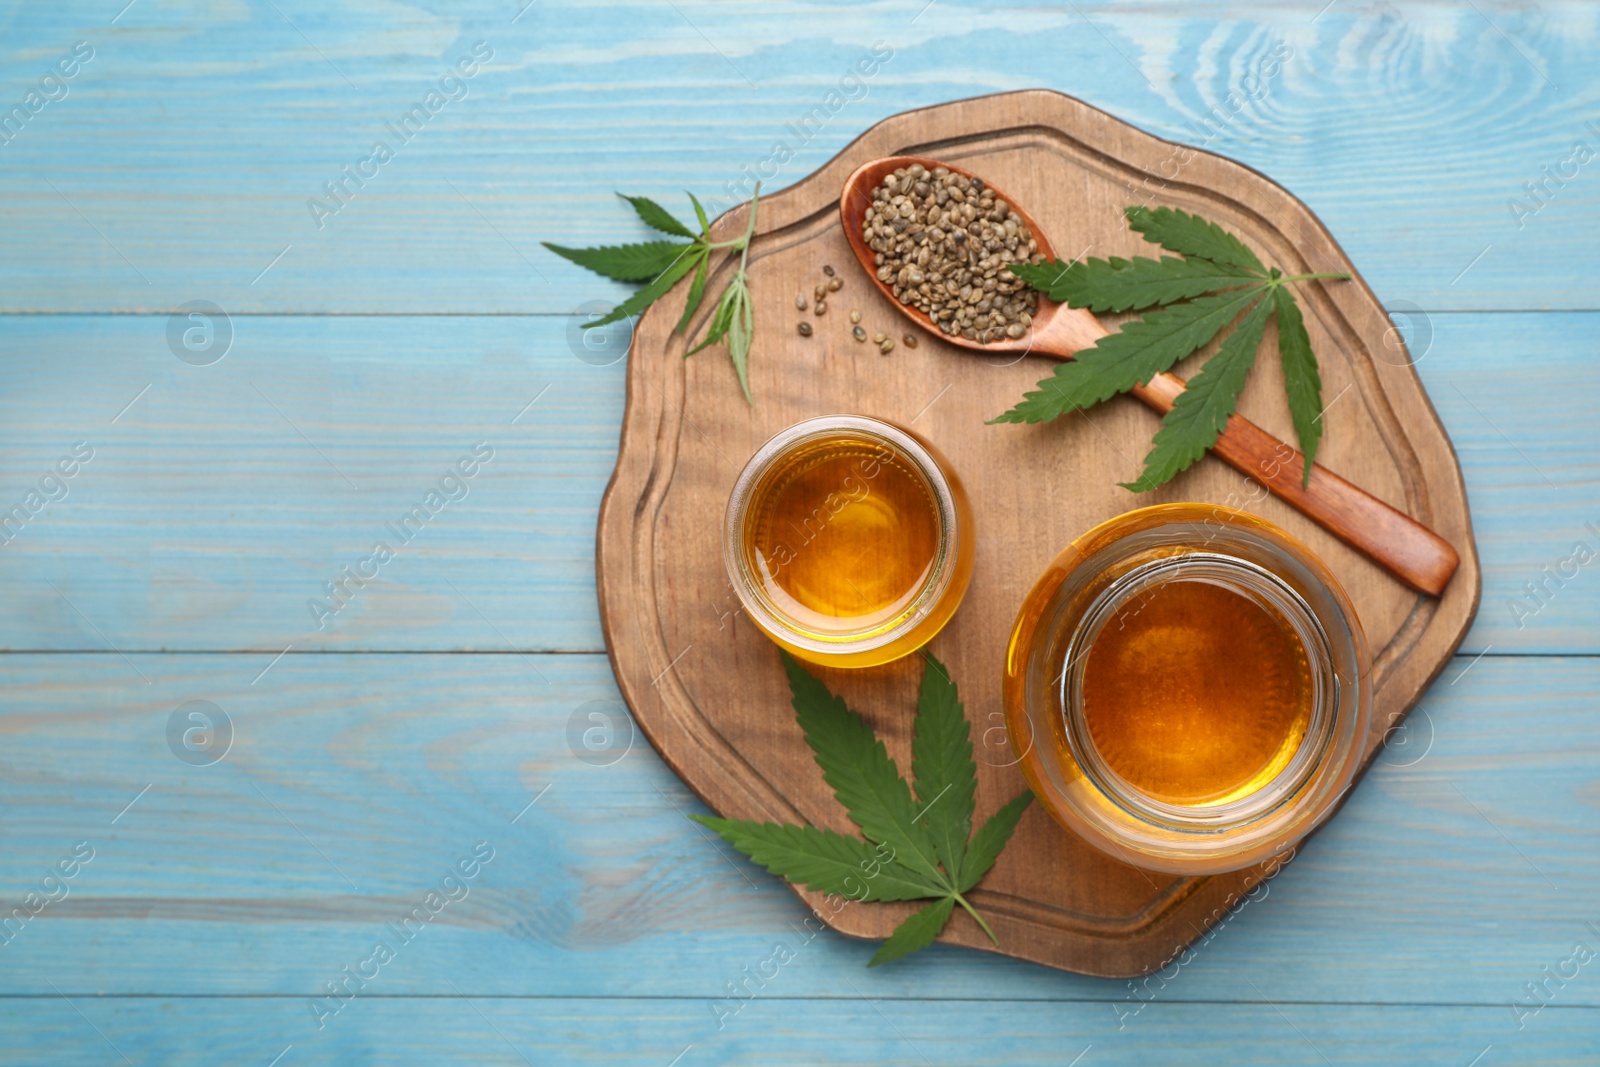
(942, 243)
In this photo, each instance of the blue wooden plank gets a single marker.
(1461, 868)
(221, 500)
(216, 505)
(846, 1028)
(1532, 481)
(162, 178)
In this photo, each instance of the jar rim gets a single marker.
(747, 586)
(1254, 582)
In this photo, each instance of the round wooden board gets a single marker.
(707, 688)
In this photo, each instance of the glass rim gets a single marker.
(1240, 576)
(747, 587)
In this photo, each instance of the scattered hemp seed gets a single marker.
(887, 346)
(855, 316)
(804, 328)
(879, 338)
(859, 334)
(828, 270)
(801, 302)
(943, 243)
(835, 284)
(819, 293)
(821, 308)
(910, 340)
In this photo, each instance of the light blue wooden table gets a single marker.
(192, 912)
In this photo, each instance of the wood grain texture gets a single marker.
(389, 766)
(844, 1029)
(189, 147)
(673, 628)
(206, 522)
(195, 138)
(224, 498)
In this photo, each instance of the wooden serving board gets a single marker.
(707, 688)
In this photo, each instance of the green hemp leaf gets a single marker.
(662, 264)
(916, 846)
(1196, 298)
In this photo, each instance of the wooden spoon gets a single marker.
(1410, 551)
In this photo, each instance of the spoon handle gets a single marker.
(1394, 540)
(1400, 544)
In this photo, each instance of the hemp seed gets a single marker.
(804, 328)
(943, 243)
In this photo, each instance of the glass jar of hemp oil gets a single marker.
(848, 540)
(1196, 685)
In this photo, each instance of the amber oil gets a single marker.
(849, 540)
(1195, 693)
